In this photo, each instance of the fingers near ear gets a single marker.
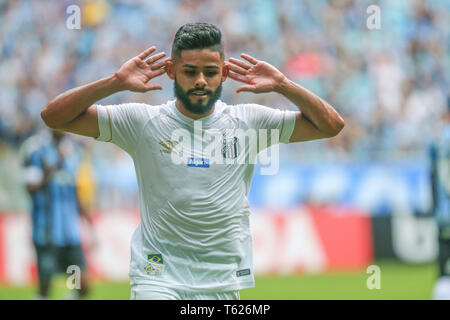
(146, 52)
(240, 63)
(159, 72)
(249, 58)
(238, 69)
(237, 77)
(158, 64)
(155, 57)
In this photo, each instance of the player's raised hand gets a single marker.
(258, 76)
(138, 71)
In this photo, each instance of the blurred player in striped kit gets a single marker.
(51, 162)
(440, 177)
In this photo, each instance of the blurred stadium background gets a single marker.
(334, 208)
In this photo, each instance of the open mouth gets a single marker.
(200, 94)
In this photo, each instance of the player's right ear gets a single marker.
(170, 69)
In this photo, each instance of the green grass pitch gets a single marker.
(398, 281)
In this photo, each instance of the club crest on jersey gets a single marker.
(230, 147)
(154, 265)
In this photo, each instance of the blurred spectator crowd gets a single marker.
(390, 84)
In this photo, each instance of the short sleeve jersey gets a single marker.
(194, 177)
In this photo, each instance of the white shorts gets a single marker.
(147, 292)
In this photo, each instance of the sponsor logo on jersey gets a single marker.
(169, 146)
(198, 162)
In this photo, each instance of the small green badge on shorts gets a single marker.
(155, 258)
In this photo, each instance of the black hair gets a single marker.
(197, 35)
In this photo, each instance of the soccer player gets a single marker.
(50, 167)
(194, 239)
(440, 181)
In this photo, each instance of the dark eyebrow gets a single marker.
(195, 67)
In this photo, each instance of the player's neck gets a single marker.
(192, 115)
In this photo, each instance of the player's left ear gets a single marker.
(225, 70)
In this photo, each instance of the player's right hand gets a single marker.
(135, 74)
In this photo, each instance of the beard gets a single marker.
(200, 107)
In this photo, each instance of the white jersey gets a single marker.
(194, 232)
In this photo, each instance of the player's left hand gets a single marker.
(258, 76)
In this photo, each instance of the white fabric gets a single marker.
(195, 217)
(441, 290)
(146, 292)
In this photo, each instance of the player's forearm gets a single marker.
(70, 104)
(321, 114)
